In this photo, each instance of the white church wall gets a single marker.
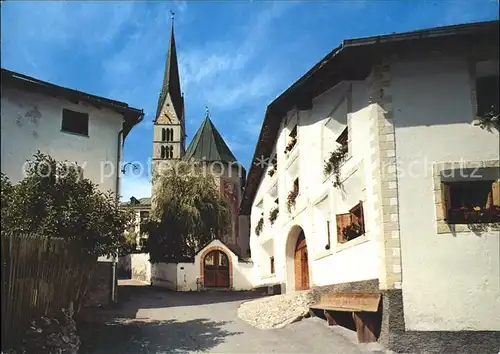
(164, 275)
(188, 275)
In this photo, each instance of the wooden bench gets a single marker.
(363, 306)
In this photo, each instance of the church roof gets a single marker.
(171, 80)
(209, 145)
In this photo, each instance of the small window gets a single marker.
(350, 225)
(296, 185)
(163, 134)
(272, 265)
(487, 93)
(75, 122)
(170, 135)
(471, 202)
(292, 140)
(343, 138)
(276, 201)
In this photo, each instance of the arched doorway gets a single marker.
(216, 270)
(301, 264)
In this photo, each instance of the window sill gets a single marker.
(322, 255)
(268, 276)
(73, 133)
(352, 243)
(444, 228)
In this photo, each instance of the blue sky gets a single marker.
(235, 57)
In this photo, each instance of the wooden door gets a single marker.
(301, 264)
(216, 270)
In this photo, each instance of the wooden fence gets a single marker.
(40, 277)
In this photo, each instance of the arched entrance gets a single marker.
(297, 262)
(216, 270)
(301, 264)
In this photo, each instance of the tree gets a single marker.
(54, 200)
(188, 213)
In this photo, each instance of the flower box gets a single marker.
(290, 201)
(474, 215)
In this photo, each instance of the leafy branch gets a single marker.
(260, 225)
(332, 165)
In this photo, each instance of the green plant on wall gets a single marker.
(260, 225)
(332, 165)
(273, 215)
(490, 120)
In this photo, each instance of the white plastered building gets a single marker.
(398, 223)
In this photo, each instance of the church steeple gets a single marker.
(169, 135)
(171, 80)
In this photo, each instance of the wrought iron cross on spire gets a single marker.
(172, 14)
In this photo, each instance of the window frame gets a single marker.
(465, 214)
(66, 117)
(346, 219)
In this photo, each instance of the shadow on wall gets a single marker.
(142, 336)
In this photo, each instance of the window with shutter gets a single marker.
(343, 220)
(357, 216)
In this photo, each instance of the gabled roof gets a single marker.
(353, 60)
(208, 145)
(171, 80)
(131, 116)
(139, 203)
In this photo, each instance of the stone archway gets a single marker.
(216, 268)
(297, 260)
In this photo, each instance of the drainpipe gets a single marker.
(118, 171)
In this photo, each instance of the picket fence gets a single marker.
(40, 277)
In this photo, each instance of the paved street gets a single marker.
(152, 320)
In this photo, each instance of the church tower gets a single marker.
(169, 127)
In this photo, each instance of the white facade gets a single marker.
(451, 281)
(407, 115)
(318, 200)
(32, 121)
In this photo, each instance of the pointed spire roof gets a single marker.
(171, 80)
(208, 144)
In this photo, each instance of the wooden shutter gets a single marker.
(357, 216)
(342, 221)
(298, 270)
(495, 189)
(445, 197)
